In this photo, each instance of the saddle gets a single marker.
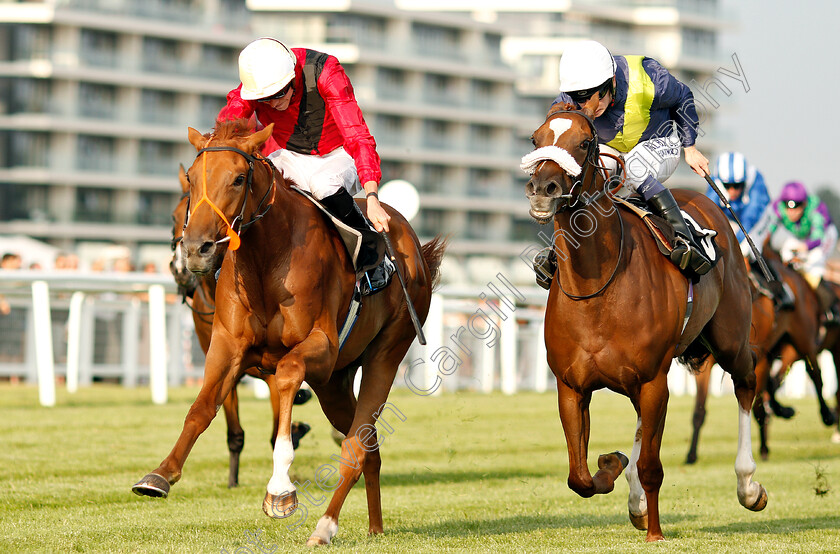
(664, 235)
(375, 271)
(545, 262)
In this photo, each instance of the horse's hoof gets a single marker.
(280, 506)
(639, 522)
(761, 503)
(604, 461)
(152, 485)
(316, 541)
(828, 417)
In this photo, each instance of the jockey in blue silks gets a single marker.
(645, 115)
(744, 185)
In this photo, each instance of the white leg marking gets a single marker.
(636, 500)
(325, 530)
(284, 455)
(748, 492)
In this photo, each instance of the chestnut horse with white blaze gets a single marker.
(283, 293)
(616, 315)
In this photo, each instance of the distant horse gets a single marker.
(616, 315)
(793, 334)
(283, 293)
(203, 292)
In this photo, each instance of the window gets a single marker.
(24, 149)
(98, 101)
(156, 158)
(481, 139)
(23, 202)
(437, 41)
(29, 96)
(437, 134)
(430, 222)
(94, 205)
(157, 106)
(95, 153)
(160, 55)
(156, 208)
(440, 89)
(390, 83)
(28, 42)
(98, 48)
(356, 29)
(478, 225)
(388, 129)
(209, 109)
(218, 61)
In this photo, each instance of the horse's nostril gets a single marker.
(551, 189)
(206, 247)
(530, 189)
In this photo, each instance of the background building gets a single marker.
(96, 96)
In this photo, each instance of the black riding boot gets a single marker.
(783, 297)
(828, 303)
(343, 207)
(686, 253)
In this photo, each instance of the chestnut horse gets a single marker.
(789, 334)
(283, 293)
(617, 315)
(203, 292)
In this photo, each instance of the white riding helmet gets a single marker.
(584, 65)
(265, 67)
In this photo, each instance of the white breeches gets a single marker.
(321, 176)
(655, 157)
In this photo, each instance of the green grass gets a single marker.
(463, 472)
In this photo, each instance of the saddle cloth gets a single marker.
(664, 234)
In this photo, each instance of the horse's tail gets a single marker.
(433, 255)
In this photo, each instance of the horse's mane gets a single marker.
(236, 128)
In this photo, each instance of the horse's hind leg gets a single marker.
(235, 435)
(812, 367)
(360, 448)
(574, 414)
(701, 378)
(751, 494)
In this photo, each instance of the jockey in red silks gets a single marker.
(320, 139)
(645, 115)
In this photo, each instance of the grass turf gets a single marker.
(461, 473)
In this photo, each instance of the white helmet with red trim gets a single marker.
(585, 65)
(265, 67)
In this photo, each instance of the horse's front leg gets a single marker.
(574, 414)
(316, 355)
(221, 372)
(653, 405)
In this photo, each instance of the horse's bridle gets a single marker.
(256, 216)
(591, 159)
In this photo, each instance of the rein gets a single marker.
(592, 154)
(233, 235)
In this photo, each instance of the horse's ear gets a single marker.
(196, 139)
(258, 139)
(561, 107)
(588, 112)
(182, 177)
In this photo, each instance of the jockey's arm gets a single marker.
(375, 212)
(696, 160)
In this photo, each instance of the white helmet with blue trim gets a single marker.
(585, 65)
(732, 167)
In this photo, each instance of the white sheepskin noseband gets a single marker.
(561, 157)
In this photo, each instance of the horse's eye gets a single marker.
(240, 180)
(585, 144)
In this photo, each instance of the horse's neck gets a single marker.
(587, 241)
